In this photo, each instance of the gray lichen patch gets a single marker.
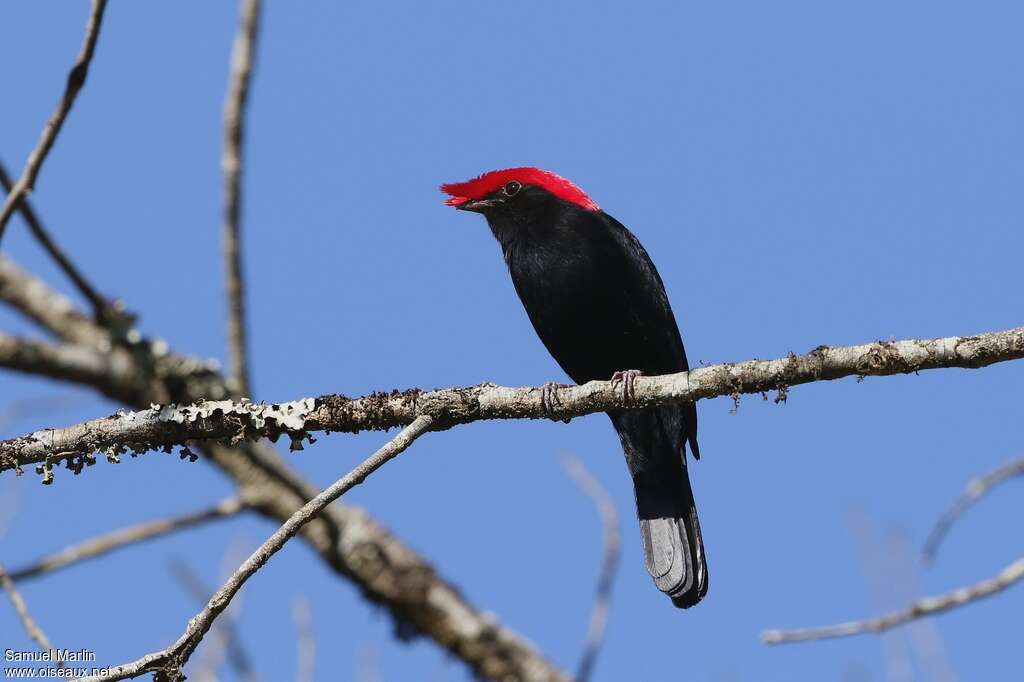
(290, 416)
(161, 427)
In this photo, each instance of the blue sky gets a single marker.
(801, 172)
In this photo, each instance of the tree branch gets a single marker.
(975, 490)
(227, 644)
(162, 427)
(242, 58)
(919, 609)
(593, 489)
(35, 632)
(76, 79)
(167, 664)
(103, 309)
(109, 542)
(346, 538)
(113, 374)
(52, 311)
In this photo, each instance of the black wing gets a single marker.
(598, 303)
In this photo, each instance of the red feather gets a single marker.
(480, 187)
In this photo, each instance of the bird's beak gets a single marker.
(475, 205)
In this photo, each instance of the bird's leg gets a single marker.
(549, 401)
(627, 377)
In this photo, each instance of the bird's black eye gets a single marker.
(512, 188)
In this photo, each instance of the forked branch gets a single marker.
(167, 664)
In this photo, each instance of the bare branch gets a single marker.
(162, 427)
(919, 609)
(306, 636)
(609, 562)
(975, 490)
(109, 542)
(114, 374)
(227, 644)
(52, 311)
(242, 58)
(346, 538)
(103, 309)
(167, 664)
(219, 638)
(21, 608)
(76, 79)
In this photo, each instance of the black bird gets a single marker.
(598, 304)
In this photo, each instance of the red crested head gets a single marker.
(478, 188)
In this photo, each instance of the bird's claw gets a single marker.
(549, 401)
(626, 377)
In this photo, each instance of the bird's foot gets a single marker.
(626, 377)
(549, 401)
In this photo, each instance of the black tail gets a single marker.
(673, 549)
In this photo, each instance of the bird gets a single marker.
(600, 308)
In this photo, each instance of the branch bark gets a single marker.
(52, 311)
(227, 644)
(919, 609)
(167, 664)
(233, 422)
(242, 59)
(76, 79)
(113, 374)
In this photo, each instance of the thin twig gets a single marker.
(227, 643)
(242, 59)
(167, 664)
(76, 79)
(102, 307)
(306, 638)
(919, 609)
(31, 627)
(976, 489)
(221, 633)
(109, 542)
(235, 421)
(609, 562)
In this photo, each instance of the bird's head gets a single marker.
(515, 192)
